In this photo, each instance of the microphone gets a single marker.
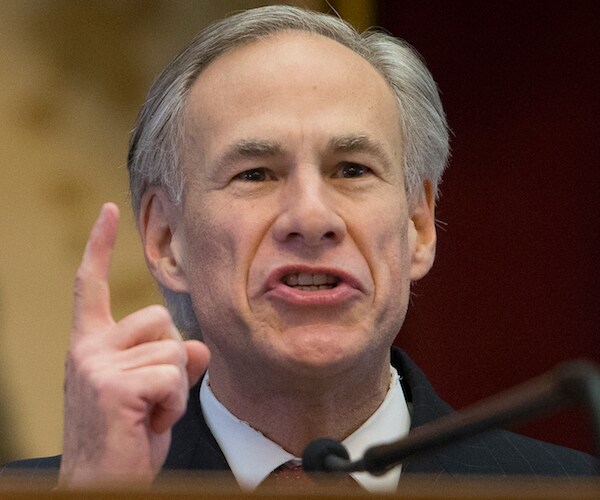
(325, 454)
(568, 384)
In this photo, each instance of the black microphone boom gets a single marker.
(568, 384)
(325, 454)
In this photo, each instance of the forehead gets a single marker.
(292, 55)
(290, 74)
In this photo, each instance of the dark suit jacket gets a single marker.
(498, 452)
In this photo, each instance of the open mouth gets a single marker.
(310, 282)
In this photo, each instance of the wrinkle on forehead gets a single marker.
(232, 87)
(284, 55)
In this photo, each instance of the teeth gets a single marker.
(320, 279)
(291, 279)
(313, 288)
(307, 281)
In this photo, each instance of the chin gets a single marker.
(322, 352)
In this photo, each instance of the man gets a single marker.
(283, 173)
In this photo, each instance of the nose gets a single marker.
(308, 213)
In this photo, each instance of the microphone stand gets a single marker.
(568, 384)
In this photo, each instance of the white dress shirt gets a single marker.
(252, 456)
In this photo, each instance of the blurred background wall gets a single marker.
(516, 282)
(515, 285)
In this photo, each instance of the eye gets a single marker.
(254, 175)
(351, 170)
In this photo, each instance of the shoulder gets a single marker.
(496, 452)
(38, 469)
(504, 454)
(34, 463)
(516, 454)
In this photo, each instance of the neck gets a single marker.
(293, 411)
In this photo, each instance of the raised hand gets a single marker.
(126, 382)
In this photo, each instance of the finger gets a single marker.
(161, 352)
(198, 357)
(91, 306)
(165, 388)
(146, 325)
(153, 395)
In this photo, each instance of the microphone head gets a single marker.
(313, 458)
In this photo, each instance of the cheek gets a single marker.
(218, 249)
(393, 286)
(389, 235)
(394, 265)
(211, 273)
(390, 261)
(208, 257)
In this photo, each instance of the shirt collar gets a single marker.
(252, 456)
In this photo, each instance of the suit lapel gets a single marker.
(425, 406)
(468, 456)
(193, 446)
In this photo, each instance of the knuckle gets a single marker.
(89, 370)
(171, 375)
(78, 289)
(75, 358)
(81, 276)
(84, 348)
(159, 313)
(174, 351)
(105, 387)
(86, 368)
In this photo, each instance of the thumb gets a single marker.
(198, 358)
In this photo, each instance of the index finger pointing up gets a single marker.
(91, 304)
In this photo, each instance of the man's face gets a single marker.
(294, 236)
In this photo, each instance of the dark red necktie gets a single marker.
(291, 476)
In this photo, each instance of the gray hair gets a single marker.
(156, 142)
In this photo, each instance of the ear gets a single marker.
(422, 235)
(159, 223)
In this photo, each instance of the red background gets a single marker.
(515, 286)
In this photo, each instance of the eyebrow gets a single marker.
(249, 149)
(257, 148)
(352, 143)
